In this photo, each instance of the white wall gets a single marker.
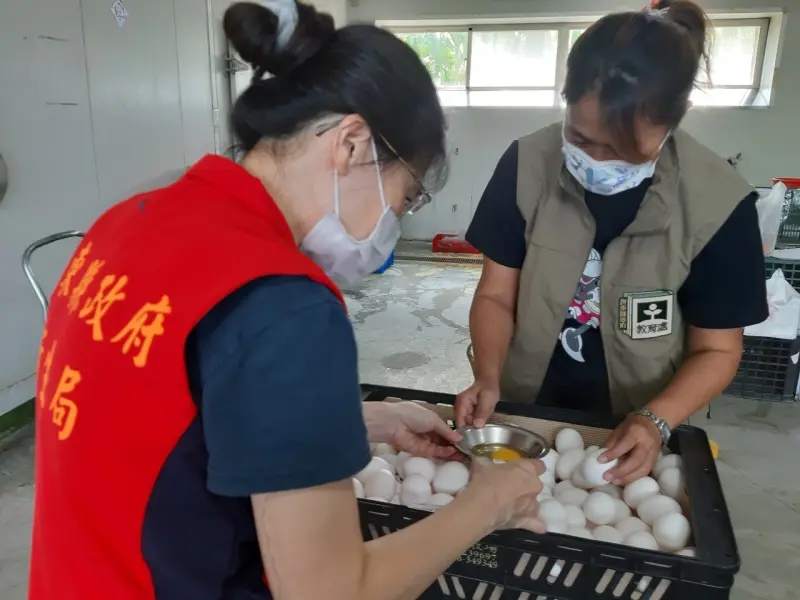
(88, 110)
(767, 137)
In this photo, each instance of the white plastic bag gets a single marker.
(784, 311)
(770, 209)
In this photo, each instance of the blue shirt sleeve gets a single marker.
(277, 380)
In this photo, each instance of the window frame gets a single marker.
(564, 28)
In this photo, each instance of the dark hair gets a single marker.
(641, 64)
(359, 69)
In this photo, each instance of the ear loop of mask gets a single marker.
(336, 192)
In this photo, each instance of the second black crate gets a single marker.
(768, 371)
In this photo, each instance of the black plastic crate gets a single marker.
(768, 370)
(790, 268)
(519, 565)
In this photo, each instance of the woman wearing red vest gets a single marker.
(199, 417)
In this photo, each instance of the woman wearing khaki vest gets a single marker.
(622, 257)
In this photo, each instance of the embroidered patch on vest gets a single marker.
(646, 315)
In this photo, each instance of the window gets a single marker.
(525, 65)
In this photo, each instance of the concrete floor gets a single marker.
(411, 325)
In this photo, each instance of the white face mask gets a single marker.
(605, 177)
(344, 259)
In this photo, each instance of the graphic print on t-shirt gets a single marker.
(584, 308)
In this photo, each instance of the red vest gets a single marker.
(112, 393)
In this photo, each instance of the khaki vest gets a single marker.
(692, 195)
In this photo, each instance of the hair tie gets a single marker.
(288, 17)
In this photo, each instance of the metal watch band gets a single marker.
(663, 426)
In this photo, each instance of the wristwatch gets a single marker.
(663, 426)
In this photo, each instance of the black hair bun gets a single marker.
(253, 29)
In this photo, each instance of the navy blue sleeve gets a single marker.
(498, 229)
(726, 286)
(279, 390)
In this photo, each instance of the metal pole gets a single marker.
(26, 263)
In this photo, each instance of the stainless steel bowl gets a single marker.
(531, 444)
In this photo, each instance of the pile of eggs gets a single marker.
(576, 499)
(400, 478)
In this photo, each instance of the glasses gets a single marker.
(412, 204)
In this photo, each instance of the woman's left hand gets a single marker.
(637, 443)
(409, 427)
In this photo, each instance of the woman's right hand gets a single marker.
(510, 490)
(476, 404)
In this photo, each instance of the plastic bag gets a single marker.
(770, 209)
(784, 311)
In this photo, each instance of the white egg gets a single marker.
(672, 531)
(600, 508)
(552, 510)
(568, 462)
(375, 499)
(572, 497)
(420, 466)
(667, 462)
(556, 526)
(593, 471)
(400, 462)
(396, 499)
(391, 459)
(358, 488)
(642, 539)
(621, 511)
(450, 478)
(376, 464)
(579, 481)
(580, 532)
(639, 491)
(569, 439)
(591, 449)
(440, 500)
(608, 534)
(672, 483)
(653, 508)
(415, 489)
(380, 484)
(687, 552)
(563, 485)
(627, 527)
(550, 459)
(575, 517)
(612, 490)
(548, 479)
(381, 449)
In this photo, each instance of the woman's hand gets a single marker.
(412, 428)
(637, 443)
(510, 490)
(476, 404)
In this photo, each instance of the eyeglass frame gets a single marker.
(412, 205)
